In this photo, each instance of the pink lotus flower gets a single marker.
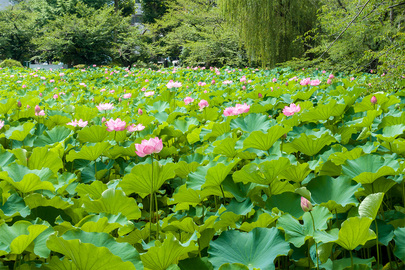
(1, 124)
(172, 84)
(305, 81)
(37, 109)
(243, 79)
(203, 103)
(227, 82)
(315, 82)
(79, 123)
(274, 80)
(112, 91)
(103, 119)
(188, 100)
(140, 112)
(331, 76)
(306, 205)
(201, 83)
(260, 95)
(105, 106)
(40, 94)
(52, 81)
(147, 147)
(329, 81)
(40, 113)
(24, 86)
(132, 128)
(373, 100)
(290, 110)
(213, 82)
(115, 125)
(238, 109)
(149, 93)
(55, 96)
(243, 87)
(127, 95)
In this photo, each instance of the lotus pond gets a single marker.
(109, 168)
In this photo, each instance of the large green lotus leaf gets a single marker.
(287, 202)
(6, 105)
(233, 266)
(162, 255)
(93, 134)
(296, 173)
(390, 133)
(118, 151)
(323, 112)
(60, 264)
(385, 231)
(40, 247)
(326, 236)
(399, 250)
(217, 174)
(195, 263)
(340, 158)
(345, 264)
(296, 233)
(6, 158)
(226, 147)
(197, 178)
(251, 122)
(123, 250)
(114, 202)
(19, 236)
(364, 122)
(35, 200)
(256, 249)
(158, 106)
(14, 206)
(20, 132)
(311, 145)
(366, 169)
(355, 231)
(26, 180)
(263, 141)
(264, 173)
(185, 197)
(370, 205)
(87, 256)
(94, 190)
(397, 146)
(262, 221)
(214, 130)
(88, 152)
(103, 223)
(188, 225)
(85, 112)
(57, 135)
(142, 181)
(194, 136)
(184, 125)
(42, 157)
(333, 192)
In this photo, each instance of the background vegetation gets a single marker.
(364, 34)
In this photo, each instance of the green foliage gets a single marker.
(268, 28)
(10, 63)
(197, 32)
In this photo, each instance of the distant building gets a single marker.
(4, 4)
(137, 17)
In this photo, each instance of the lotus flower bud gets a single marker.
(373, 100)
(37, 108)
(306, 205)
(19, 104)
(260, 95)
(140, 112)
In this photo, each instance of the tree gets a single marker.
(269, 27)
(153, 9)
(86, 37)
(196, 31)
(17, 28)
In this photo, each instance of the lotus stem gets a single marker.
(151, 203)
(223, 194)
(316, 244)
(157, 216)
(378, 251)
(351, 259)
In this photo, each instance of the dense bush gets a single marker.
(10, 63)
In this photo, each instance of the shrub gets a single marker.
(10, 63)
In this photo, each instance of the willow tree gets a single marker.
(270, 27)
